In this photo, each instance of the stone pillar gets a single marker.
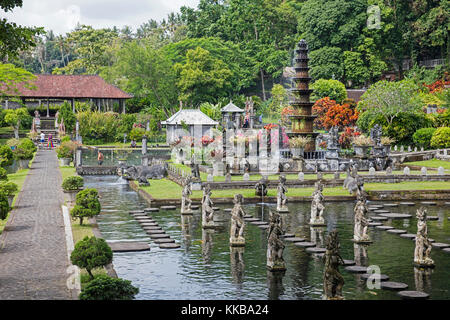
(77, 131)
(78, 159)
(144, 145)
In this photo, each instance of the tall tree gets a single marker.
(14, 38)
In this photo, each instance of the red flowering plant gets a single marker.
(340, 115)
(323, 145)
(437, 86)
(138, 125)
(285, 113)
(345, 139)
(206, 140)
(320, 108)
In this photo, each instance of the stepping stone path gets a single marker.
(382, 277)
(390, 285)
(356, 269)
(384, 227)
(381, 211)
(153, 231)
(396, 215)
(136, 211)
(379, 218)
(195, 207)
(416, 295)
(396, 231)
(257, 223)
(151, 228)
(168, 207)
(139, 214)
(151, 209)
(215, 208)
(228, 210)
(407, 203)
(375, 224)
(391, 205)
(447, 203)
(294, 239)
(288, 235)
(429, 203)
(316, 250)
(440, 245)
(304, 244)
(349, 262)
(159, 236)
(446, 250)
(408, 236)
(128, 246)
(251, 219)
(169, 245)
(263, 226)
(149, 224)
(432, 218)
(165, 240)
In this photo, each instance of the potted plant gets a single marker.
(71, 186)
(386, 142)
(298, 145)
(65, 152)
(24, 152)
(361, 145)
(9, 189)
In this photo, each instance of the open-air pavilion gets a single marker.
(60, 88)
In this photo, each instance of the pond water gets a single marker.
(205, 267)
(112, 156)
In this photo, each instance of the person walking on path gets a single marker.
(100, 158)
(42, 139)
(50, 141)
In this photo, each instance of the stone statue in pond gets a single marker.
(317, 206)
(207, 208)
(261, 187)
(142, 173)
(423, 244)
(237, 222)
(275, 245)
(186, 201)
(281, 195)
(361, 223)
(333, 281)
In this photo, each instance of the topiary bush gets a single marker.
(8, 188)
(91, 253)
(107, 288)
(73, 183)
(441, 138)
(333, 89)
(87, 205)
(4, 206)
(422, 137)
(66, 149)
(3, 174)
(25, 149)
(6, 156)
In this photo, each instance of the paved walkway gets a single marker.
(33, 256)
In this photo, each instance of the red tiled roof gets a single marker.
(355, 94)
(72, 86)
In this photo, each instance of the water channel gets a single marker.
(205, 267)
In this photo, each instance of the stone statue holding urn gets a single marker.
(423, 244)
(207, 209)
(361, 222)
(275, 245)
(237, 222)
(186, 202)
(281, 195)
(317, 206)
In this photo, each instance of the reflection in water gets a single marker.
(360, 253)
(207, 244)
(317, 236)
(237, 265)
(422, 279)
(186, 221)
(275, 284)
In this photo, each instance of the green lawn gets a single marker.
(19, 179)
(166, 189)
(434, 163)
(67, 171)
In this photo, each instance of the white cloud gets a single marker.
(62, 16)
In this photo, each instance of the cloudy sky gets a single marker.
(62, 16)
